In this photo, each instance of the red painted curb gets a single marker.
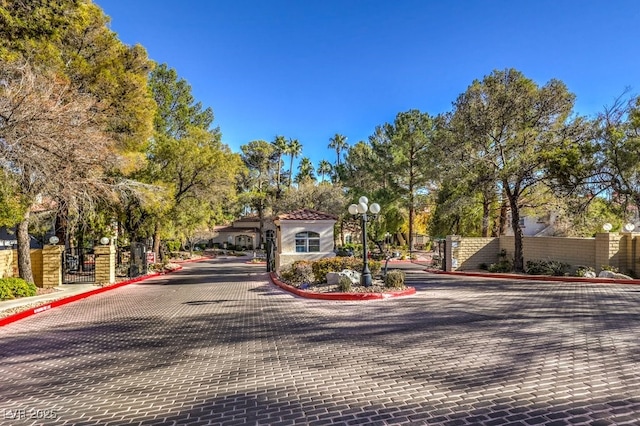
(200, 259)
(535, 277)
(339, 296)
(46, 306)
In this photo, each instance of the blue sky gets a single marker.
(308, 69)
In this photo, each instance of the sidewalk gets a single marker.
(62, 291)
(16, 309)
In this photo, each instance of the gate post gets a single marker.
(52, 265)
(105, 264)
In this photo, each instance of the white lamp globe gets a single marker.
(54, 240)
(607, 227)
(374, 208)
(353, 209)
(362, 208)
(629, 227)
(104, 241)
(364, 200)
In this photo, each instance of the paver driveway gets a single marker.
(217, 344)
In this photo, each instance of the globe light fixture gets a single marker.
(54, 240)
(104, 241)
(629, 227)
(607, 227)
(360, 210)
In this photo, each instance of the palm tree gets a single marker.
(280, 144)
(339, 143)
(305, 170)
(294, 148)
(324, 168)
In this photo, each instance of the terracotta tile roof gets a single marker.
(233, 229)
(306, 214)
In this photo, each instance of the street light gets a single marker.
(361, 209)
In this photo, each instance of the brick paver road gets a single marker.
(217, 344)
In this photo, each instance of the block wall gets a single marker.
(473, 252)
(621, 251)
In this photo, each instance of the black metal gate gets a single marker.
(138, 265)
(78, 265)
(271, 256)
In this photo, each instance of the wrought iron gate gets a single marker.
(271, 256)
(78, 265)
(138, 265)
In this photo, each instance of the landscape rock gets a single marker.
(334, 277)
(605, 274)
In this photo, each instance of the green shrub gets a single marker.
(344, 284)
(505, 265)
(609, 268)
(16, 287)
(547, 267)
(299, 272)
(582, 271)
(173, 245)
(394, 279)
(337, 264)
(5, 292)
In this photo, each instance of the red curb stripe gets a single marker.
(200, 259)
(60, 302)
(339, 296)
(536, 277)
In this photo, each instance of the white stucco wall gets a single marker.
(286, 241)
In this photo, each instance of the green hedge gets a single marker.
(10, 288)
(336, 264)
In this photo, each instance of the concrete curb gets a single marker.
(339, 296)
(199, 259)
(60, 302)
(534, 277)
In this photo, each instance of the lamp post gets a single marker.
(361, 210)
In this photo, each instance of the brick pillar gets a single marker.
(52, 265)
(105, 264)
(608, 250)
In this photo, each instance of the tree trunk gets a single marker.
(261, 225)
(156, 241)
(502, 220)
(24, 250)
(486, 213)
(518, 258)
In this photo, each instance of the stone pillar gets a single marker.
(52, 265)
(452, 253)
(105, 264)
(608, 250)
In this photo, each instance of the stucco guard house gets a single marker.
(243, 233)
(303, 235)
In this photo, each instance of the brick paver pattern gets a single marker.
(217, 344)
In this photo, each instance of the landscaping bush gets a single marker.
(16, 287)
(394, 279)
(505, 265)
(298, 273)
(547, 267)
(337, 264)
(583, 270)
(344, 284)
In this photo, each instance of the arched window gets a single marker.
(307, 241)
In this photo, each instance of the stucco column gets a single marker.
(52, 265)
(452, 258)
(105, 264)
